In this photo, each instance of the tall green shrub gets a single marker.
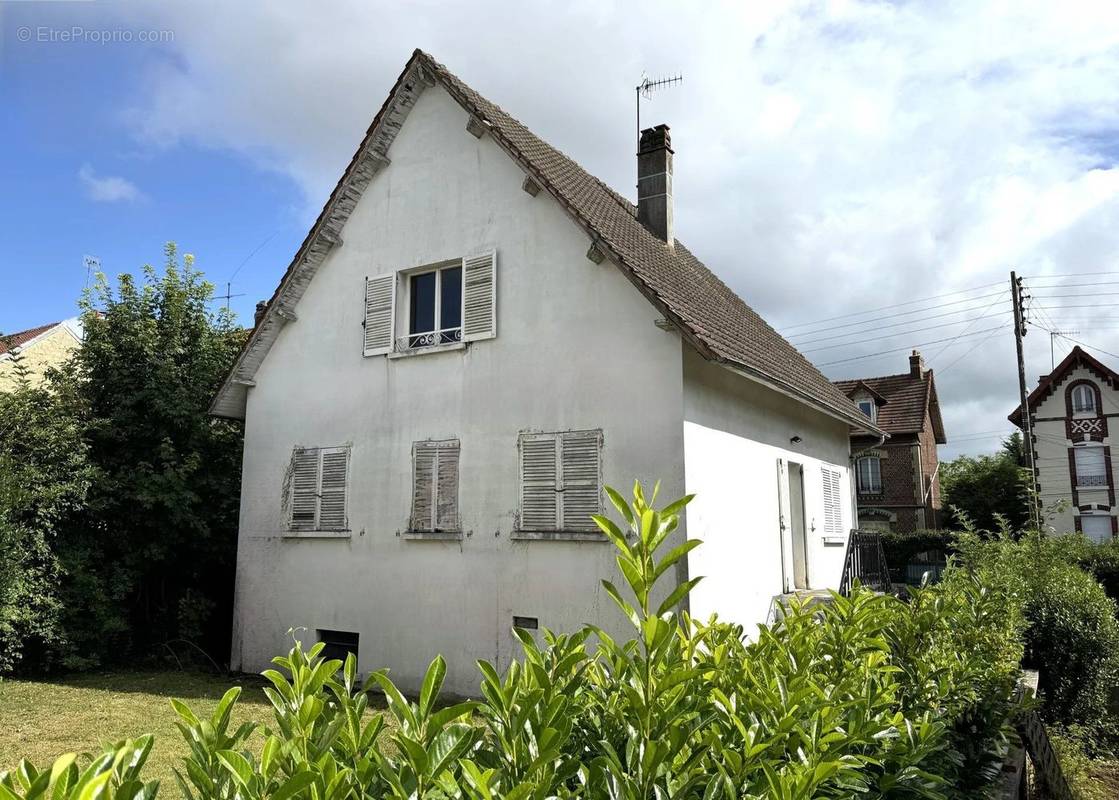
(44, 479)
(150, 556)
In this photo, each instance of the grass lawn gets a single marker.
(41, 720)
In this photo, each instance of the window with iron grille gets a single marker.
(1090, 467)
(1083, 399)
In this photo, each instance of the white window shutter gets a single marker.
(304, 489)
(581, 480)
(332, 494)
(479, 296)
(446, 487)
(539, 482)
(833, 503)
(380, 312)
(423, 486)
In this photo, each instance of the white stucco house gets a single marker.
(476, 336)
(1071, 413)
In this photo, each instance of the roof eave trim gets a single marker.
(860, 426)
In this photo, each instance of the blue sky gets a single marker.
(66, 115)
(887, 152)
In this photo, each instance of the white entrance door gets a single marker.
(794, 537)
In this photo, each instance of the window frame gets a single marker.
(1101, 515)
(409, 341)
(872, 488)
(872, 414)
(1084, 389)
(1099, 481)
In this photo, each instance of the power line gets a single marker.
(1082, 344)
(895, 305)
(969, 351)
(985, 313)
(907, 347)
(887, 336)
(874, 322)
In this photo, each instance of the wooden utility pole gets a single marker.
(1027, 424)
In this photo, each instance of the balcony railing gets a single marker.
(866, 563)
(420, 341)
(1091, 480)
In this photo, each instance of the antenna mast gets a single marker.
(646, 88)
(229, 294)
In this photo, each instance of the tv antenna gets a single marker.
(92, 264)
(229, 294)
(646, 88)
(1053, 335)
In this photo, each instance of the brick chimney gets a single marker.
(916, 365)
(258, 315)
(654, 183)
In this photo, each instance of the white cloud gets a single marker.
(875, 151)
(108, 188)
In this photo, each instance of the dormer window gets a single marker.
(869, 408)
(1083, 399)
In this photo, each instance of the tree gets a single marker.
(151, 556)
(984, 488)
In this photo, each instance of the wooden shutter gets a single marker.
(304, 489)
(380, 310)
(539, 482)
(479, 296)
(833, 503)
(423, 486)
(332, 492)
(446, 487)
(580, 481)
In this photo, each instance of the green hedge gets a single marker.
(868, 698)
(902, 549)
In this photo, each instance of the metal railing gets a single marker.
(419, 341)
(865, 562)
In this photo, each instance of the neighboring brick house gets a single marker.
(43, 347)
(1071, 411)
(898, 486)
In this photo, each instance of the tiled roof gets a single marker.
(905, 401)
(716, 319)
(23, 337)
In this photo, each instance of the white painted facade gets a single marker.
(1060, 435)
(576, 348)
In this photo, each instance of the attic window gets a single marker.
(435, 307)
(868, 408)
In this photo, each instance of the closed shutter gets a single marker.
(332, 494)
(446, 488)
(423, 485)
(318, 488)
(304, 489)
(833, 503)
(435, 486)
(539, 482)
(479, 296)
(580, 482)
(380, 309)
